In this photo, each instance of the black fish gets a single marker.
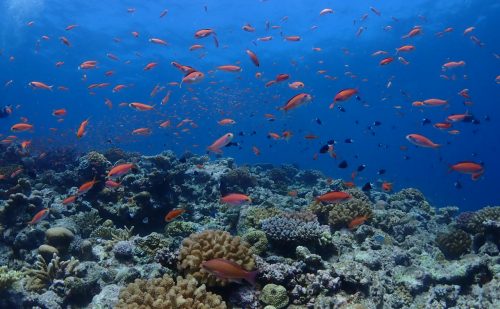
(406, 157)
(349, 140)
(232, 144)
(241, 133)
(376, 123)
(361, 167)
(318, 121)
(343, 164)
(367, 187)
(458, 185)
(330, 142)
(323, 149)
(381, 172)
(341, 108)
(426, 121)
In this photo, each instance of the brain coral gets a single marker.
(454, 243)
(166, 293)
(342, 213)
(213, 244)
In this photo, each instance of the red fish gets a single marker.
(220, 143)
(476, 170)
(296, 101)
(230, 68)
(253, 57)
(86, 187)
(345, 94)
(81, 130)
(40, 85)
(69, 200)
(386, 61)
(333, 197)
(120, 170)
(174, 213)
(421, 141)
(21, 127)
(236, 199)
(357, 221)
(225, 269)
(39, 216)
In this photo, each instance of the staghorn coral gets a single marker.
(454, 243)
(166, 293)
(213, 244)
(8, 278)
(293, 228)
(43, 274)
(341, 214)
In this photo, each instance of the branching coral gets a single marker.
(293, 228)
(212, 244)
(166, 293)
(8, 278)
(43, 274)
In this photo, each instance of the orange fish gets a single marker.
(81, 130)
(150, 66)
(226, 121)
(435, 102)
(229, 270)
(292, 38)
(326, 11)
(453, 64)
(166, 98)
(165, 124)
(158, 41)
(192, 78)
(40, 85)
(174, 213)
(59, 112)
(86, 187)
(442, 125)
(405, 48)
(296, 101)
(21, 127)
(414, 32)
(248, 28)
(236, 199)
(333, 197)
(357, 221)
(90, 64)
(253, 57)
(120, 170)
(421, 141)
(42, 214)
(65, 41)
(293, 193)
(69, 200)
(345, 94)
(229, 68)
(296, 85)
(468, 167)
(387, 186)
(203, 33)
(220, 143)
(256, 150)
(140, 106)
(142, 131)
(273, 135)
(457, 117)
(386, 61)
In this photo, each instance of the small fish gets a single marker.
(421, 141)
(86, 187)
(220, 143)
(39, 216)
(367, 187)
(120, 170)
(387, 186)
(225, 269)
(333, 197)
(357, 221)
(236, 199)
(174, 213)
(343, 164)
(361, 167)
(69, 200)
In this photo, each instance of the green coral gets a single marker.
(252, 217)
(8, 278)
(180, 228)
(257, 239)
(454, 243)
(341, 214)
(274, 295)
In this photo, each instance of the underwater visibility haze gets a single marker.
(249, 154)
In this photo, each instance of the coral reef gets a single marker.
(454, 243)
(112, 248)
(210, 245)
(184, 293)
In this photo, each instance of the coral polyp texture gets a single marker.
(165, 292)
(209, 245)
(117, 248)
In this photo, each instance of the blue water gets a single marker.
(105, 27)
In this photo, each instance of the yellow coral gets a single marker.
(166, 293)
(210, 245)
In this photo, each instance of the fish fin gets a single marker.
(251, 276)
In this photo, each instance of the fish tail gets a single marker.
(251, 276)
